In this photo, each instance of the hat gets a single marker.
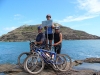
(39, 27)
(48, 15)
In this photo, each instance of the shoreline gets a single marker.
(13, 69)
(63, 40)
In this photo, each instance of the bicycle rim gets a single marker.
(34, 64)
(63, 62)
(21, 58)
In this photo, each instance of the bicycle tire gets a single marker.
(26, 66)
(67, 64)
(19, 60)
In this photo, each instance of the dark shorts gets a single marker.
(50, 36)
(58, 49)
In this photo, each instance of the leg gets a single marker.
(50, 37)
(59, 49)
(46, 41)
(46, 38)
(50, 42)
(55, 49)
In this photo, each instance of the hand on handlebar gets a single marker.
(35, 43)
(54, 44)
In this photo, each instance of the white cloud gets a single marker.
(18, 16)
(9, 28)
(76, 18)
(27, 22)
(80, 25)
(92, 8)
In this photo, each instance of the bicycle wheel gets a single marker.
(54, 67)
(63, 62)
(34, 64)
(21, 58)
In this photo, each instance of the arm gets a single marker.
(60, 40)
(39, 42)
(53, 26)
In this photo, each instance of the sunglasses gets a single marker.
(48, 16)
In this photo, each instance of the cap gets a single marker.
(48, 15)
(39, 27)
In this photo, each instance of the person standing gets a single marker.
(57, 40)
(49, 31)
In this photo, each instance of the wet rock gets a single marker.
(18, 73)
(9, 68)
(78, 62)
(79, 72)
(92, 60)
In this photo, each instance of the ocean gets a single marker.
(76, 49)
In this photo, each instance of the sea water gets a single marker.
(76, 49)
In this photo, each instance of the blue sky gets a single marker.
(77, 14)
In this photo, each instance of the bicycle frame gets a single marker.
(42, 52)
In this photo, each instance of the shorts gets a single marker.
(50, 36)
(58, 49)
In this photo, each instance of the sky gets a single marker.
(77, 14)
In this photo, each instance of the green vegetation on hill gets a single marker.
(27, 32)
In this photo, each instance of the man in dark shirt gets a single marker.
(40, 39)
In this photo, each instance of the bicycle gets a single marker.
(34, 64)
(23, 55)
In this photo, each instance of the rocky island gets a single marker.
(26, 32)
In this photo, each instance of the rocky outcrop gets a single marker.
(92, 60)
(12, 69)
(9, 69)
(24, 33)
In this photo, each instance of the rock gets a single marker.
(9, 68)
(19, 73)
(80, 72)
(92, 60)
(77, 62)
(12, 69)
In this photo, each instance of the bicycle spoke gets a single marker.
(36, 64)
(63, 62)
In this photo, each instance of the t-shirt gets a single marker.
(49, 30)
(56, 37)
(41, 37)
